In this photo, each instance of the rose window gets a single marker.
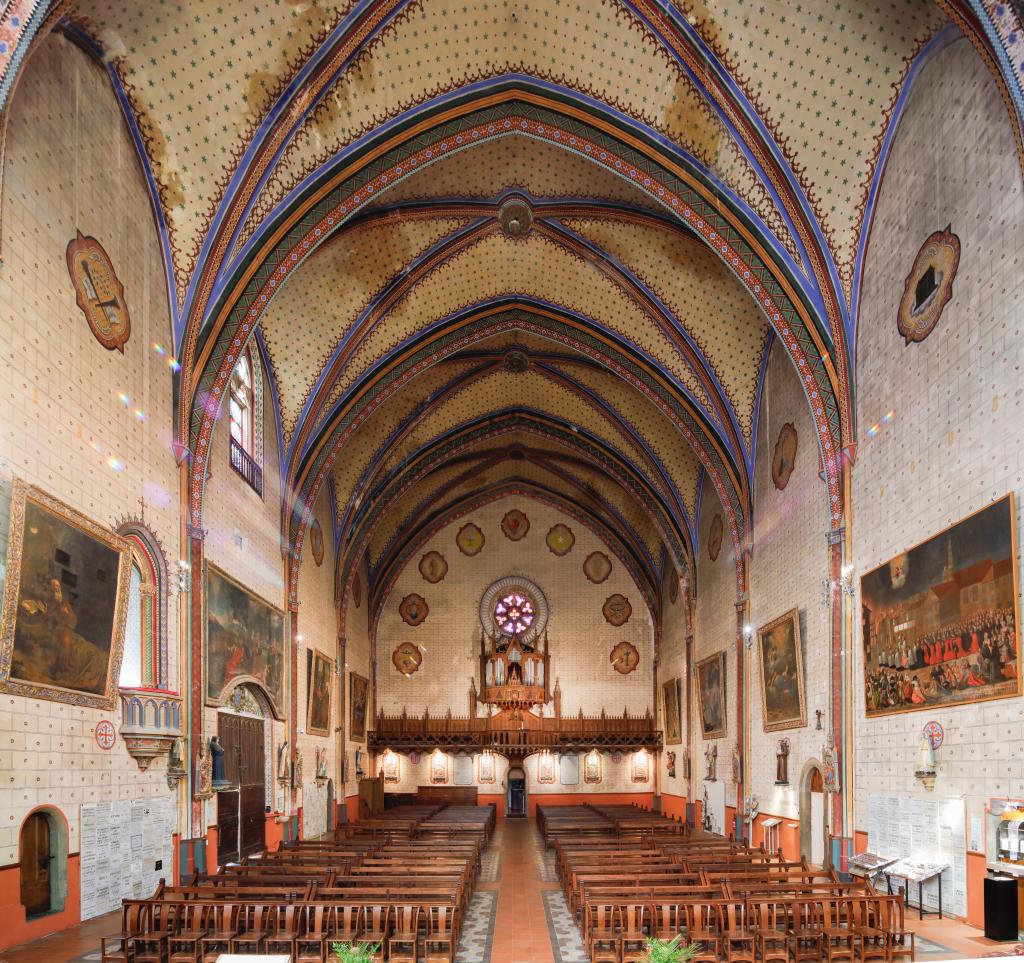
(514, 613)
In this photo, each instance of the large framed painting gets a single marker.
(782, 673)
(711, 695)
(358, 693)
(318, 693)
(672, 695)
(244, 640)
(940, 622)
(65, 602)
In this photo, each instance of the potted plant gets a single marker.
(354, 952)
(669, 951)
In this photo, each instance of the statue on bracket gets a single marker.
(204, 773)
(321, 764)
(282, 762)
(220, 781)
(710, 762)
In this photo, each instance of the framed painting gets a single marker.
(318, 693)
(546, 769)
(438, 768)
(65, 603)
(711, 695)
(244, 640)
(940, 622)
(672, 695)
(592, 768)
(358, 693)
(392, 767)
(782, 673)
(485, 769)
(640, 766)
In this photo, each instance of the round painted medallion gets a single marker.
(616, 610)
(469, 539)
(515, 525)
(929, 286)
(715, 538)
(316, 542)
(597, 567)
(433, 567)
(560, 539)
(413, 609)
(784, 458)
(106, 734)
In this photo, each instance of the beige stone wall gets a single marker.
(580, 638)
(672, 665)
(89, 426)
(715, 631)
(788, 563)
(955, 438)
(358, 661)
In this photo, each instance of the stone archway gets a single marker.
(812, 837)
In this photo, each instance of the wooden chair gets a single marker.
(310, 946)
(252, 929)
(118, 947)
(376, 920)
(348, 923)
(872, 942)
(738, 935)
(283, 930)
(152, 942)
(703, 929)
(222, 927)
(403, 943)
(805, 938)
(893, 921)
(668, 920)
(602, 934)
(838, 939)
(635, 927)
(192, 925)
(439, 943)
(771, 926)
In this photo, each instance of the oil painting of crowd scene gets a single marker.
(940, 623)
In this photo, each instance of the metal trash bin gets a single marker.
(1000, 907)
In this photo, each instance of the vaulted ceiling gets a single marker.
(531, 245)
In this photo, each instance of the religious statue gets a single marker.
(737, 765)
(829, 766)
(297, 770)
(321, 764)
(204, 773)
(705, 811)
(220, 781)
(283, 762)
(175, 763)
(710, 761)
(686, 763)
(782, 763)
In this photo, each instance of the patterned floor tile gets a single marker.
(566, 944)
(478, 929)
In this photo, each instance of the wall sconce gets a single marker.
(844, 584)
(184, 570)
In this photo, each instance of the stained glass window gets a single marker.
(514, 613)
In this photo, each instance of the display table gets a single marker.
(918, 873)
(868, 866)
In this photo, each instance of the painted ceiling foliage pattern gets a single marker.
(200, 78)
(537, 267)
(318, 306)
(711, 183)
(688, 279)
(824, 78)
(599, 48)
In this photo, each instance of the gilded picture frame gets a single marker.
(359, 693)
(940, 622)
(58, 588)
(782, 673)
(234, 615)
(672, 695)
(710, 674)
(318, 693)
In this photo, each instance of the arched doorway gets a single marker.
(242, 729)
(42, 862)
(813, 815)
(516, 803)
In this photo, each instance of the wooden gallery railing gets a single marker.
(515, 731)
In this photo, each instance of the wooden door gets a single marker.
(35, 865)
(242, 739)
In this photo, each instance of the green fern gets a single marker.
(354, 952)
(669, 951)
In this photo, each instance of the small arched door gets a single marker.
(36, 856)
(516, 792)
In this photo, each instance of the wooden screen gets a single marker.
(242, 739)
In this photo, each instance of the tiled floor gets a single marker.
(518, 915)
